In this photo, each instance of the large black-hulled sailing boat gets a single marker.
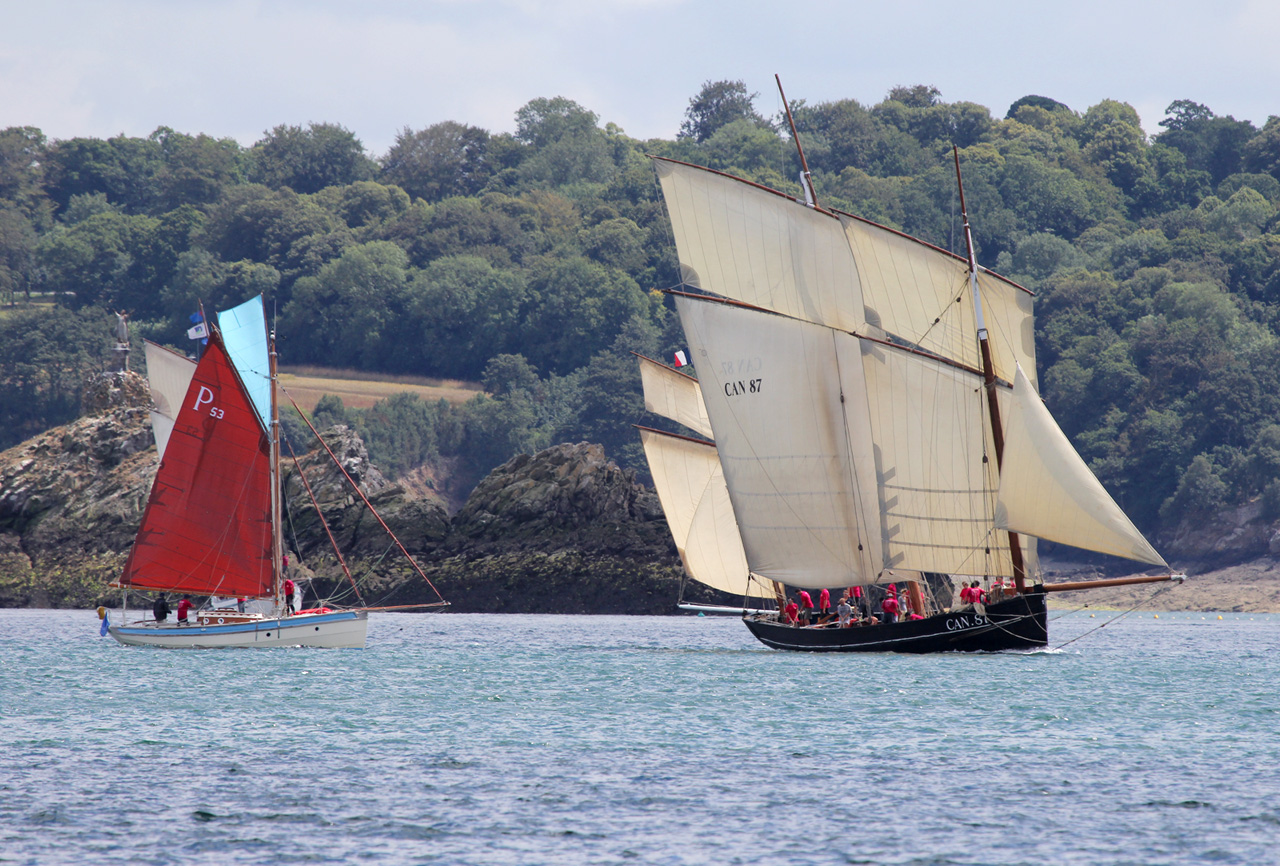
(875, 418)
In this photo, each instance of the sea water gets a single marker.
(673, 740)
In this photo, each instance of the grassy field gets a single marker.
(360, 390)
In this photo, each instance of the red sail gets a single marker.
(207, 527)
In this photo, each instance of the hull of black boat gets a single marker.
(1016, 623)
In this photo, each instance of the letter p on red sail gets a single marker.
(203, 396)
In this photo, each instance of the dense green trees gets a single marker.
(528, 260)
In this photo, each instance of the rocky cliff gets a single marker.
(562, 531)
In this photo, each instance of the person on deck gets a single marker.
(791, 613)
(288, 595)
(240, 604)
(824, 605)
(806, 607)
(160, 610)
(965, 592)
(890, 604)
(844, 611)
(184, 608)
(860, 602)
(976, 594)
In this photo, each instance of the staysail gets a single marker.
(1046, 489)
(207, 525)
(169, 376)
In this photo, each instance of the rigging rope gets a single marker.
(1117, 618)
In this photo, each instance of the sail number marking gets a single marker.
(205, 396)
(733, 386)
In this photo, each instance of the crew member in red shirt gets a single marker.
(791, 612)
(184, 608)
(890, 604)
(288, 595)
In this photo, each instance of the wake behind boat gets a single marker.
(872, 403)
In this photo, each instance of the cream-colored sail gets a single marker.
(936, 492)
(1046, 489)
(765, 249)
(760, 247)
(696, 503)
(673, 395)
(169, 375)
(772, 387)
(921, 295)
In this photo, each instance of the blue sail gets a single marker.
(244, 331)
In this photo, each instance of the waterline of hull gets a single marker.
(339, 629)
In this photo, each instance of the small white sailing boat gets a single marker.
(875, 419)
(212, 523)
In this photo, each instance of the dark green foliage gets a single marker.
(443, 160)
(718, 104)
(527, 260)
(45, 359)
(308, 160)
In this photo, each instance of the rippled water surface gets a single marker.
(557, 739)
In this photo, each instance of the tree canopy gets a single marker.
(529, 260)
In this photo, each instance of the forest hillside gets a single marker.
(531, 262)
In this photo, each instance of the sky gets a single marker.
(237, 68)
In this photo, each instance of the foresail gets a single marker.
(169, 377)
(920, 295)
(690, 485)
(207, 525)
(760, 247)
(772, 388)
(244, 331)
(673, 395)
(1046, 490)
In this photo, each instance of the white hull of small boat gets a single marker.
(339, 629)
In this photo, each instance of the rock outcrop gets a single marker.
(561, 531)
(565, 530)
(70, 503)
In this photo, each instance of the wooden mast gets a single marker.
(806, 180)
(277, 545)
(988, 374)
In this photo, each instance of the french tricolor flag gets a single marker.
(681, 359)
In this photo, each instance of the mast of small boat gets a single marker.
(277, 544)
(988, 373)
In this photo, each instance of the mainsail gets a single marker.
(847, 401)
(207, 526)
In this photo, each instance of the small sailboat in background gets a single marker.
(875, 420)
(212, 524)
